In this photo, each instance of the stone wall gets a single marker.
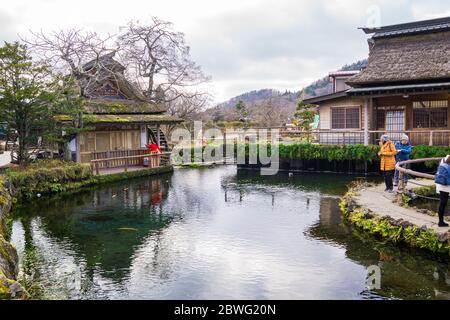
(9, 261)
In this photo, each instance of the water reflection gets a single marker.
(212, 233)
(406, 273)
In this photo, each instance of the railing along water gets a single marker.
(400, 166)
(129, 161)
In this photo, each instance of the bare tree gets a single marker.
(187, 108)
(269, 114)
(159, 59)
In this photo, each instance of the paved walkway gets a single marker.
(383, 204)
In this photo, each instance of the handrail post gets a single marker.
(401, 183)
(431, 138)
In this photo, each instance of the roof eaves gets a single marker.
(409, 28)
(399, 88)
(331, 96)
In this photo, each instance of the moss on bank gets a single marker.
(50, 177)
(9, 287)
(391, 230)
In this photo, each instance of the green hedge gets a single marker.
(48, 177)
(369, 153)
(309, 151)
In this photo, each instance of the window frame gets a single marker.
(429, 113)
(345, 108)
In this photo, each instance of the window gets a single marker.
(381, 118)
(430, 114)
(345, 118)
(102, 141)
(382, 112)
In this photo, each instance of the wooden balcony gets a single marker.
(417, 137)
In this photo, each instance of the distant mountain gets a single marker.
(286, 101)
(256, 96)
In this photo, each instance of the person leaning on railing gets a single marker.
(154, 149)
(387, 154)
(442, 181)
(404, 149)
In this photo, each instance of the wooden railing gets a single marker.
(417, 137)
(401, 167)
(116, 161)
(340, 137)
(118, 153)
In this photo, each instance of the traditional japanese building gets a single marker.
(404, 88)
(121, 118)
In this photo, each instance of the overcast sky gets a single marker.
(242, 44)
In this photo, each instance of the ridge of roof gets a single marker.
(422, 26)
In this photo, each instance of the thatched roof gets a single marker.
(108, 92)
(107, 70)
(410, 28)
(406, 58)
(119, 106)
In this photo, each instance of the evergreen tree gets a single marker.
(304, 116)
(31, 100)
(241, 110)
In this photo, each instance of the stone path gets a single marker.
(382, 203)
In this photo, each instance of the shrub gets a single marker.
(47, 176)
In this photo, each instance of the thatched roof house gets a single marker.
(404, 88)
(122, 117)
(406, 53)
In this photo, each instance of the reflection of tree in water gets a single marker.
(406, 273)
(30, 274)
(103, 226)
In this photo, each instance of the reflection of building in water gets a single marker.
(399, 267)
(105, 226)
(142, 195)
(329, 211)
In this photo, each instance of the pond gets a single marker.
(213, 233)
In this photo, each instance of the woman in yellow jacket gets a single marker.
(387, 154)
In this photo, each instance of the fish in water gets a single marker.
(127, 229)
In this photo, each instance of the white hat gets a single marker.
(405, 137)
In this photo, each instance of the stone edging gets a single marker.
(395, 231)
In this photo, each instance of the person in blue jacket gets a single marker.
(404, 150)
(442, 181)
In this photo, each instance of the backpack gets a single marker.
(441, 175)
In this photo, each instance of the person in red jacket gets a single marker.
(153, 147)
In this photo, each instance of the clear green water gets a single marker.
(212, 234)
